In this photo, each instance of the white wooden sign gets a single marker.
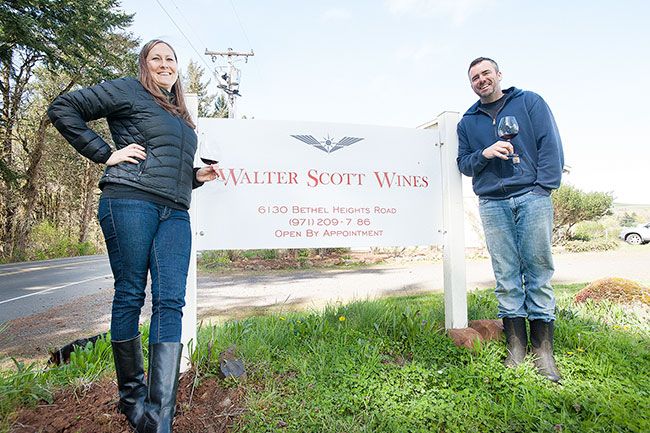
(307, 184)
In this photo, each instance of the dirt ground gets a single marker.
(208, 408)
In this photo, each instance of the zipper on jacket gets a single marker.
(494, 119)
(496, 132)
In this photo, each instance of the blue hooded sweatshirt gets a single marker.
(538, 145)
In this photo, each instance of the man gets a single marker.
(515, 206)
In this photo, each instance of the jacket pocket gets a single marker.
(142, 166)
(541, 191)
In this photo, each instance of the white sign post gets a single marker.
(189, 312)
(453, 218)
(310, 184)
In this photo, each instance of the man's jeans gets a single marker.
(518, 236)
(142, 236)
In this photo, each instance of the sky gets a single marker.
(403, 62)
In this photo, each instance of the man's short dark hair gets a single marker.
(483, 59)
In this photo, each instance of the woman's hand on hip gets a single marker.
(208, 173)
(127, 154)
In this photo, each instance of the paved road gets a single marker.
(31, 287)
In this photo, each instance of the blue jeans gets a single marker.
(143, 237)
(518, 235)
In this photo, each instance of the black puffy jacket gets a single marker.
(133, 117)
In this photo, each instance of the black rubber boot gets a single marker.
(129, 369)
(516, 340)
(160, 404)
(541, 339)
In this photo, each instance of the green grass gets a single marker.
(387, 366)
(217, 261)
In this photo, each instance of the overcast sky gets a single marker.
(403, 62)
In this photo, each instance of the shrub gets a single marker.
(628, 220)
(579, 246)
(588, 230)
(261, 254)
(572, 206)
(46, 241)
(214, 258)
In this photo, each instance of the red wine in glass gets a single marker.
(508, 129)
(209, 161)
(507, 136)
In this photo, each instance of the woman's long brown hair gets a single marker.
(179, 109)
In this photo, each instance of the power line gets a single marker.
(250, 46)
(194, 34)
(231, 86)
(182, 33)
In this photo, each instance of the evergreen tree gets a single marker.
(210, 105)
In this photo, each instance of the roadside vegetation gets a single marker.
(387, 366)
(591, 221)
(286, 259)
(220, 261)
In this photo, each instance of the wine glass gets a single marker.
(209, 152)
(507, 130)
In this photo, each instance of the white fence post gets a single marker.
(189, 312)
(453, 219)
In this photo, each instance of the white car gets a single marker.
(636, 235)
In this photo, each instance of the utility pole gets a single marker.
(229, 76)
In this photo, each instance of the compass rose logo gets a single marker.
(328, 144)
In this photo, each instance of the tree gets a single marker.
(221, 109)
(572, 206)
(210, 105)
(628, 220)
(71, 37)
(80, 185)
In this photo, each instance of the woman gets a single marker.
(146, 190)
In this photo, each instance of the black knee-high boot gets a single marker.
(541, 339)
(129, 369)
(164, 364)
(516, 340)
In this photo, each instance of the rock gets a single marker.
(489, 329)
(464, 337)
(230, 365)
